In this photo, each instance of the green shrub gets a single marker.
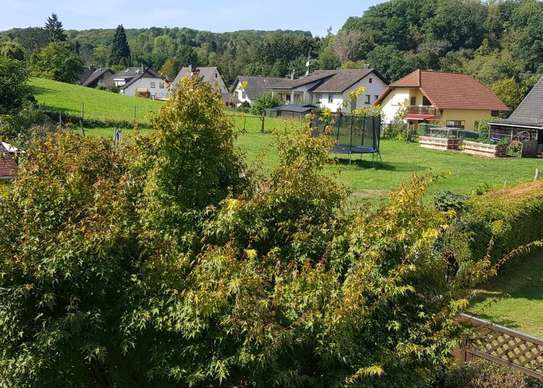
(506, 219)
(266, 101)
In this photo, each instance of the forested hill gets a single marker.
(499, 42)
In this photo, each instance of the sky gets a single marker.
(210, 15)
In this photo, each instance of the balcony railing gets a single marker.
(424, 110)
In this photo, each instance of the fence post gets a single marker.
(262, 118)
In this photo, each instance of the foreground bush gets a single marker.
(482, 374)
(167, 263)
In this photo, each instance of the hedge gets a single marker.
(510, 218)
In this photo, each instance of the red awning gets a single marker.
(419, 117)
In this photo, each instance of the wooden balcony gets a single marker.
(423, 110)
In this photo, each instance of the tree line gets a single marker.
(499, 43)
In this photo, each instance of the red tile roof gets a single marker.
(449, 90)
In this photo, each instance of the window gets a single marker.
(456, 124)
(476, 125)
(376, 97)
(153, 85)
(368, 99)
(330, 98)
(353, 104)
(161, 85)
(413, 101)
(425, 101)
(370, 80)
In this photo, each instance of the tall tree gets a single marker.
(55, 31)
(120, 52)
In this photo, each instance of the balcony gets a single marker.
(423, 110)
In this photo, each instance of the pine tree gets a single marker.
(54, 29)
(120, 53)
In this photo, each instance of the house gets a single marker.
(334, 92)
(325, 88)
(8, 165)
(256, 87)
(99, 77)
(210, 75)
(138, 81)
(526, 122)
(446, 99)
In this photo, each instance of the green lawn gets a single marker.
(97, 104)
(458, 172)
(515, 298)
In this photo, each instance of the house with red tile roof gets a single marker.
(446, 99)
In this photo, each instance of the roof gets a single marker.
(343, 80)
(318, 75)
(449, 90)
(209, 75)
(256, 86)
(295, 108)
(8, 166)
(132, 72)
(85, 74)
(95, 76)
(147, 73)
(530, 110)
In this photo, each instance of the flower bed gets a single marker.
(439, 143)
(486, 150)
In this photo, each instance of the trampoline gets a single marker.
(353, 135)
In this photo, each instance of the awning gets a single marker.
(419, 117)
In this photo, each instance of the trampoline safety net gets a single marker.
(351, 134)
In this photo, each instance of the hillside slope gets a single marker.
(96, 104)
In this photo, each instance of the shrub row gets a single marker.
(506, 219)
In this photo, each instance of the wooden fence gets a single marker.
(502, 346)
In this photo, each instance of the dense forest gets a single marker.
(498, 42)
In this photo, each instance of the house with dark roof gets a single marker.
(329, 89)
(526, 122)
(99, 77)
(446, 99)
(142, 82)
(210, 75)
(248, 89)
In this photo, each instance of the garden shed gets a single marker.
(525, 124)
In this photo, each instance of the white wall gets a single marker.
(151, 84)
(241, 95)
(392, 104)
(373, 89)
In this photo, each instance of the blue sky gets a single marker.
(212, 15)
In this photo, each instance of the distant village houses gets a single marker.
(142, 82)
(329, 89)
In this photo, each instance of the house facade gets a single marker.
(137, 81)
(445, 99)
(210, 75)
(102, 77)
(329, 89)
(525, 123)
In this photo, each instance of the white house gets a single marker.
(334, 93)
(324, 88)
(137, 81)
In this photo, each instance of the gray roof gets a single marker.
(147, 73)
(85, 74)
(343, 80)
(131, 72)
(209, 75)
(530, 110)
(257, 86)
(95, 76)
(319, 75)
